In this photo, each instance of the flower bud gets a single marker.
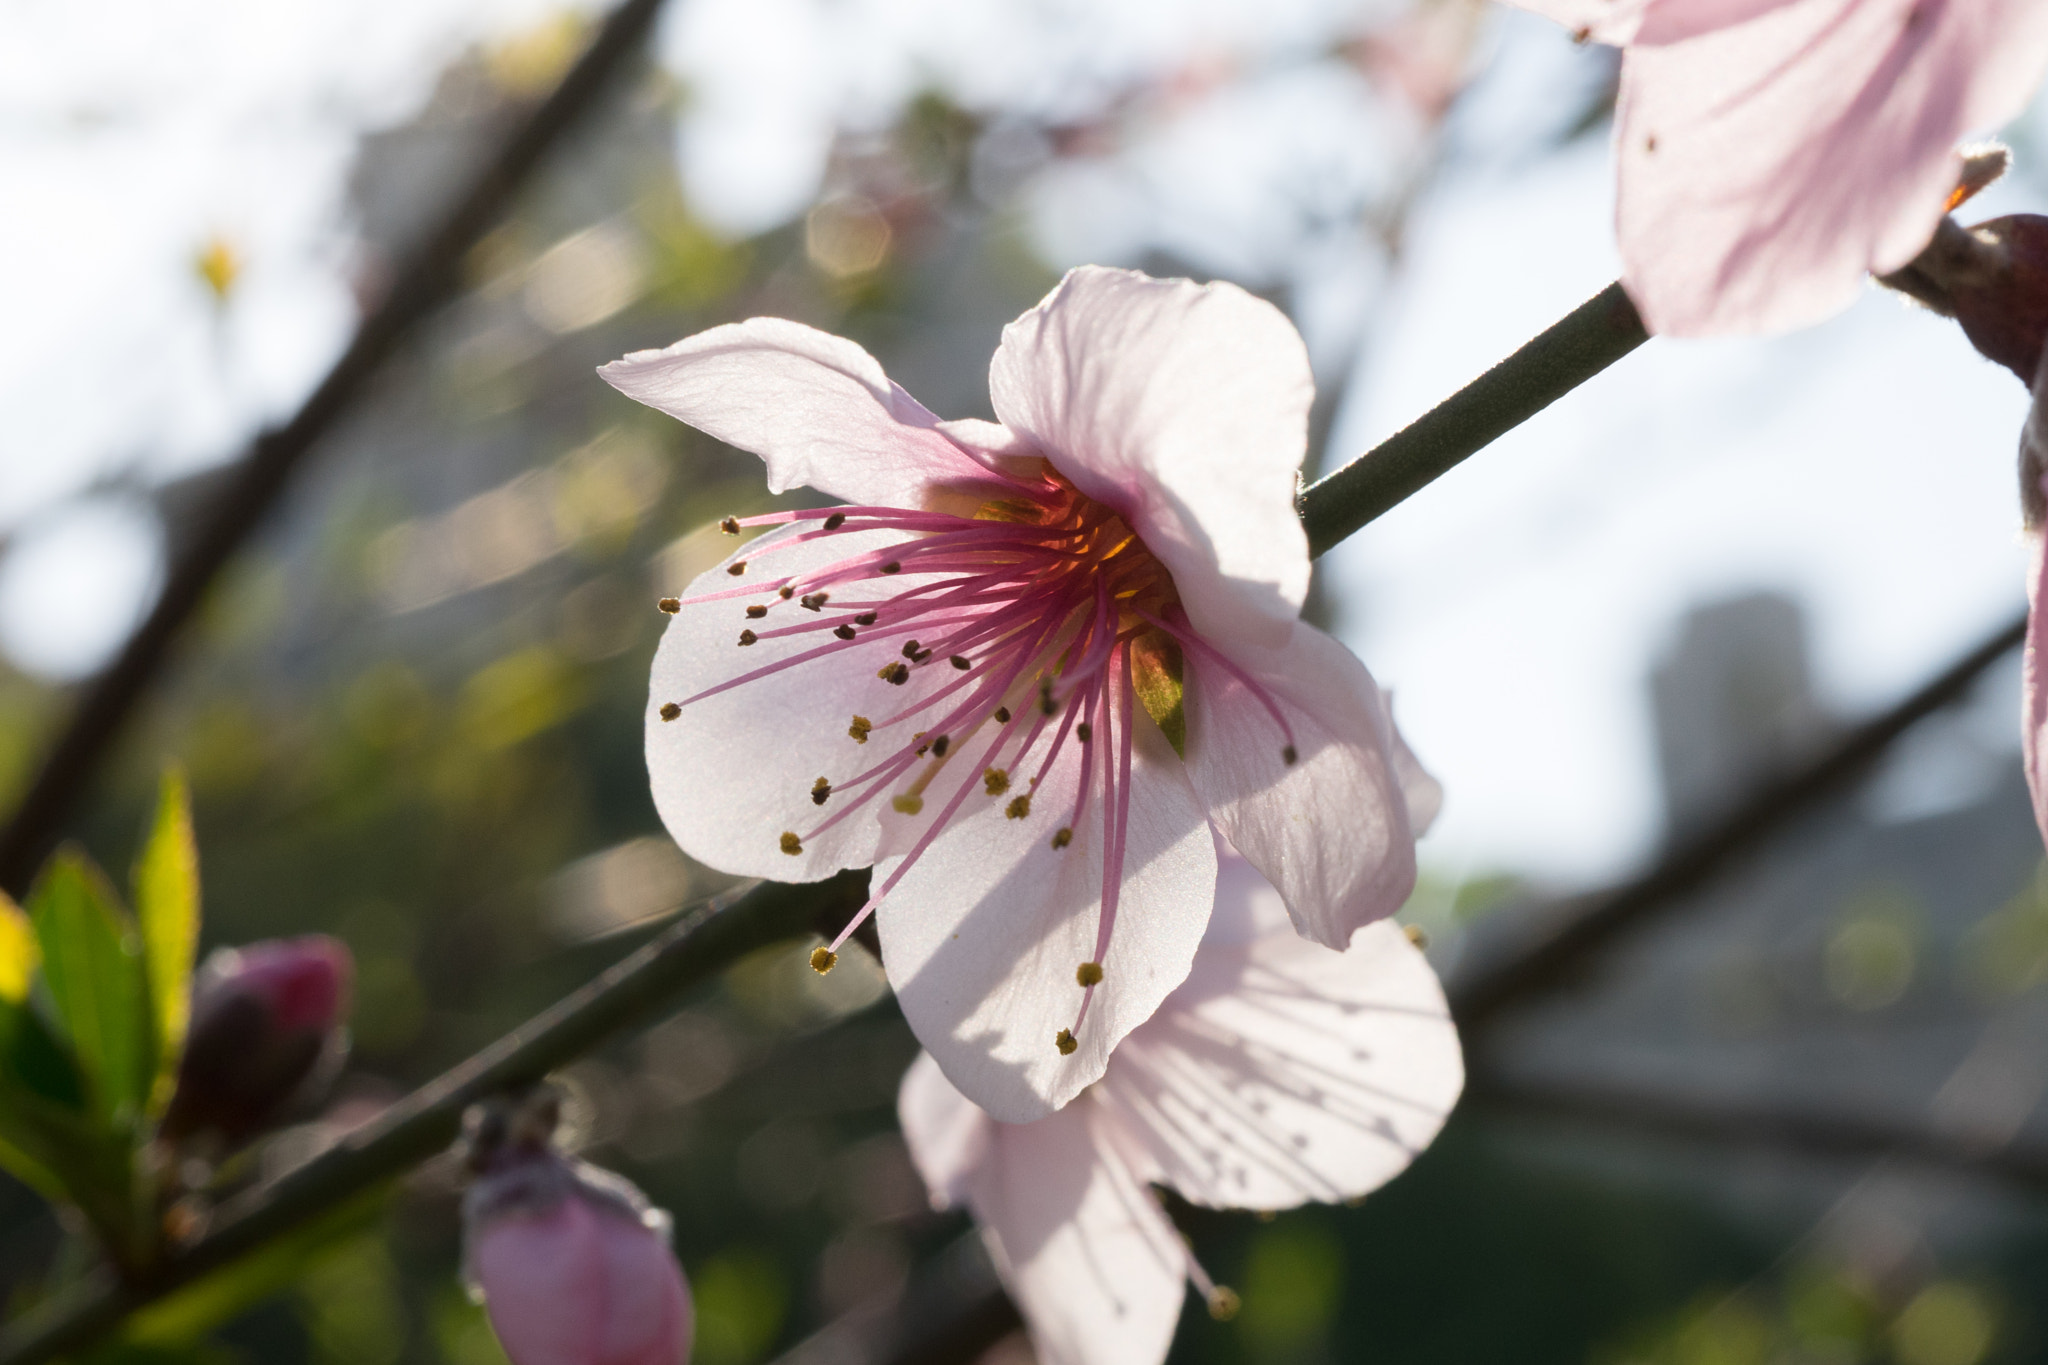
(267, 1028)
(573, 1265)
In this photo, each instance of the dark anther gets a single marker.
(1019, 807)
(866, 618)
(941, 744)
(1002, 715)
(669, 710)
(1064, 1041)
(995, 780)
(961, 662)
(791, 844)
(785, 592)
(823, 959)
(920, 656)
(1088, 974)
(898, 674)
(737, 567)
(731, 526)
(835, 521)
(1288, 756)
(892, 567)
(671, 605)
(1084, 732)
(756, 612)
(859, 729)
(815, 600)
(1062, 837)
(748, 637)
(843, 632)
(910, 649)
(819, 791)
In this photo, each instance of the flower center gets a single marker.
(1049, 620)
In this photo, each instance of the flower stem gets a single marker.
(1565, 355)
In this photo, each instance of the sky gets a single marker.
(1514, 607)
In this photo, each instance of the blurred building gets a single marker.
(1878, 963)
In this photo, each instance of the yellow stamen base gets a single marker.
(907, 805)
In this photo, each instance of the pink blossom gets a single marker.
(1772, 151)
(1280, 1072)
(2034, 686)
(265, 1018)
(1027, 666)
(573, 1266)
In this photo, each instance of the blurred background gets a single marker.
(411, 709)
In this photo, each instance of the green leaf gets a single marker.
(167, 909)
(1158, 674)
(93, 973)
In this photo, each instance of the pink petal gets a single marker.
(1095, 1267)
(544, 1280)
(947, 1133)
(1332, 831)
(983, 936)
(816, 408)
(733, 771)
(1423, 794)
(1282, 1072)
(1769, 155)
(648, 1318)
(1185, 407)
(2033, 687)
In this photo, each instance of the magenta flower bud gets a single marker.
(267, 1027)
(574, 1265)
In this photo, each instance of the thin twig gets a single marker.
(1567, 936)
(426, 1121)
(1565, 355)
(424, 282)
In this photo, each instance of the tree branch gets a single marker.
(1558, 940)
(1565, 355)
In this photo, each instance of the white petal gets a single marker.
(983, 936)
(948, 1135)
(1185, 407)
(816, 408)
(1095, 1266)
(1423, 793)
(1283, 1072)
(1331, 830)
(731, 772)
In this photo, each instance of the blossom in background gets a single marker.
(572, 1263)
(1772, 152)
(1280, 1072)
(1027, 666)
(268, 1023)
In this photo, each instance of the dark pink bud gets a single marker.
(574, 1266)
(2006, 315)
(266, 1027)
